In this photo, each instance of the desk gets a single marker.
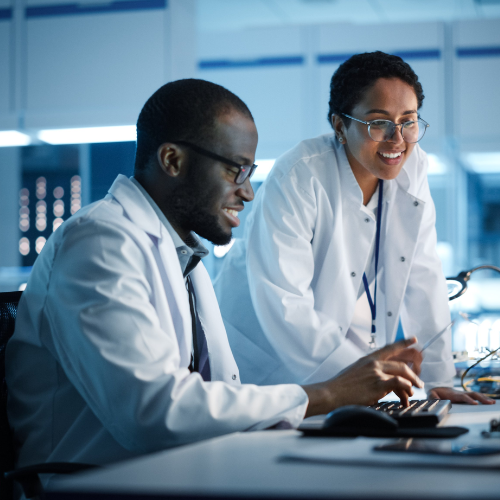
(247, 465)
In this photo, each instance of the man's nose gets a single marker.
(245, 191)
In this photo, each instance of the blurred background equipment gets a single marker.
(479, 362)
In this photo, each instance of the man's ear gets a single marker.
(171, 159)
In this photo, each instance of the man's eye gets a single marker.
(233, 170)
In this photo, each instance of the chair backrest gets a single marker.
(8, 311)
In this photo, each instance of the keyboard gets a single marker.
(420, 413)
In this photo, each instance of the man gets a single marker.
(102, 365)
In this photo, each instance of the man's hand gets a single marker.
(411, 356)
(468, 398)
(366, 381)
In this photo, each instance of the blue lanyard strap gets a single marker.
(373, 302)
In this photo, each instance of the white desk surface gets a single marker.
(248, 465)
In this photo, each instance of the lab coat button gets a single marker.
(353, 274)
(367, 220)
(402, 259)
(415, 203)
(340, 328)
(389, 314)
(233, 377)
(184, 252)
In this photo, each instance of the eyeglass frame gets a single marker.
(222, 159)
(395, 126)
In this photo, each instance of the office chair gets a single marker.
(27, 477)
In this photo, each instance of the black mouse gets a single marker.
(356, 417)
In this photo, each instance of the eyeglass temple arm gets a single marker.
(352, 118)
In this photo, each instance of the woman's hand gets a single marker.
(468, 398)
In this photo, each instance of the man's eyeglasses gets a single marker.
(243, 173)
(383, 130)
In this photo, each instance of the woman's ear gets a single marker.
(171, 159)
(338, 128)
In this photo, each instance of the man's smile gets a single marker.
(232, 215)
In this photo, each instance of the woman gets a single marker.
(341, 242)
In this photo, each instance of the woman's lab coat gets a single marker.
(288, 290)
(97, 368)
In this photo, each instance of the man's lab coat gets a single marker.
(300, 265)
(97, 369)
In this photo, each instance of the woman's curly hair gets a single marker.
(356, 75)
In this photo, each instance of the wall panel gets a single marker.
(92, 69)
(477, 77)
(264, 67)
(7, 119)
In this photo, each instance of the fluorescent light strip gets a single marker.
(88, 135)
(9, 138)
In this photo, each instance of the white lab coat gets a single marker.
(306, 245)
(97, 369)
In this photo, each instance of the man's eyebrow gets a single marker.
(384, 112)
(243, 160)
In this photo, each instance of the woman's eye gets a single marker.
(379, 123)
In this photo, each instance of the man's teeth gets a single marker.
(234, 213)
(391, 155)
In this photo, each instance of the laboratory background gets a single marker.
(74, 76)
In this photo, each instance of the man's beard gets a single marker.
(189, 205)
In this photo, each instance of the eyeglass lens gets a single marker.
(383, 130)
(245, 172)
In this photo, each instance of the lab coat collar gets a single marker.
(138, 209)
(403, 179)
(349, 183)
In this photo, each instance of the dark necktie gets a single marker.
(200, 362)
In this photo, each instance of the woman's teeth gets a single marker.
(391, 155)
(234, 213)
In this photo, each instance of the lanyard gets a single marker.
(373, 302)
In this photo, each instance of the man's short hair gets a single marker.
(182, 110)
(356, 75)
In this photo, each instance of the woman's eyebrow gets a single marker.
(384, 112)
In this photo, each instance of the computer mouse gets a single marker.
(359, 417)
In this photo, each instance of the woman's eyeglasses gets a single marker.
(383, 130)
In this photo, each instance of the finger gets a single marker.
(411, 357)
(481, 398)
(433, 394)
(400, 369)
(401, 387)
(466, 399)
(392, 349)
